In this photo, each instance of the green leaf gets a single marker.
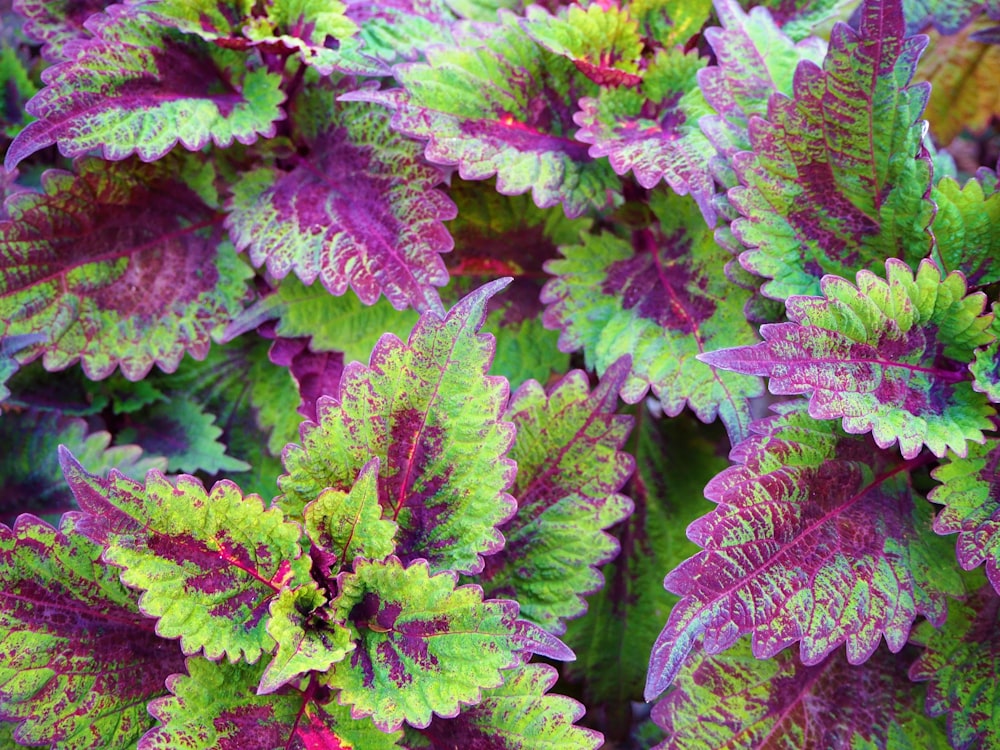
(78, 661)
(663, 299)
(305, 642)
(965, 228)
(350, 525)
(18, 88)
(214, 706)
(985, 368)
(208, 563)
(424, 646)
(431, 416)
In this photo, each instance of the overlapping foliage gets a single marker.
(296, 456)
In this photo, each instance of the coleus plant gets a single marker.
(735, 224)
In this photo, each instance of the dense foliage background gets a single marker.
(365, 368)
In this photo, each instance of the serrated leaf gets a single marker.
(675, 458)
(887, 356)
(818, 539)
(652, 130)
(140, 88)
(837, 179)
(78, 661)
(965, 227)
(518, 715)
(402, 29)
(350, 525)
(961, 662)
(214, 706)
(431, 416)
(120, 264)
(360, 210)
(662, 299)
(497, 103)
(733, 700)
(29, 464)
(57, 23)
(570, 471)
(985, 367)
(316, 373)
(207, 562)
(424, 646)
(962, 73)
(9, 346)
(969, 491)
(305, 643)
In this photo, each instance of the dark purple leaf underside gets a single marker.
(316, 373)
(78, 661)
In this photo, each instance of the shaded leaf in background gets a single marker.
(80, 661)
(207, 562)
(837, 178)
(733, 700)
(661, 298)
(965, 227)
(360, 210)
(402, 29)
(56, 23)
(118, 264)
(801, 18)
(675, 458)
(496, 103)
(214, 706)
(819, 538)
(570, 469)
(316, 373)
(18, 88)
(960, 663)
(517, 715)
(985, 368)
(9, 346)
(887, 356)
(946, 16)
(32, 480)
(429, 413)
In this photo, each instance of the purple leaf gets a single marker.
(78, 661)
(140, 88)
(570, 469)
(837, 178)
(946, 16)
(360, 210)
(208, 562)
(401, 29)
(316, 373)
(57, 23)
(888, 356)
(119, 264)
(429, 413)
(818, 538)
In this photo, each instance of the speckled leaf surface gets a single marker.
(985, 368)
(518, 715)
(887, 356)
(570, 468)
(402, 29)
(970, 494)
(214, 706)
(495, 102)
(818, 539)
(55, 23)
(965, 227)
(735, 701)
(78, 661)
(29, 464)
(120, 264)
(946, 16)
(837, 179)
(139, 88)
(207, 562)
(960, 664)
(360, 210)
(424, 646)
(429, 413)
(662, 299)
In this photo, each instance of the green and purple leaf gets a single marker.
(517, 715)
(429, 413)
(570, 471)
(78, 660)
(495, 102)
(661, 298)
(9, 346)
(819, 538)
(965, 228)
(985, 367)
(960, 662)
(120, 264)
(837, 178)
(208, 563)
(214, 706)
(359, 210)
(423, 646)
(57, 23)
(401, 29)
(887, 356)
(139, 88)
(733, 700)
